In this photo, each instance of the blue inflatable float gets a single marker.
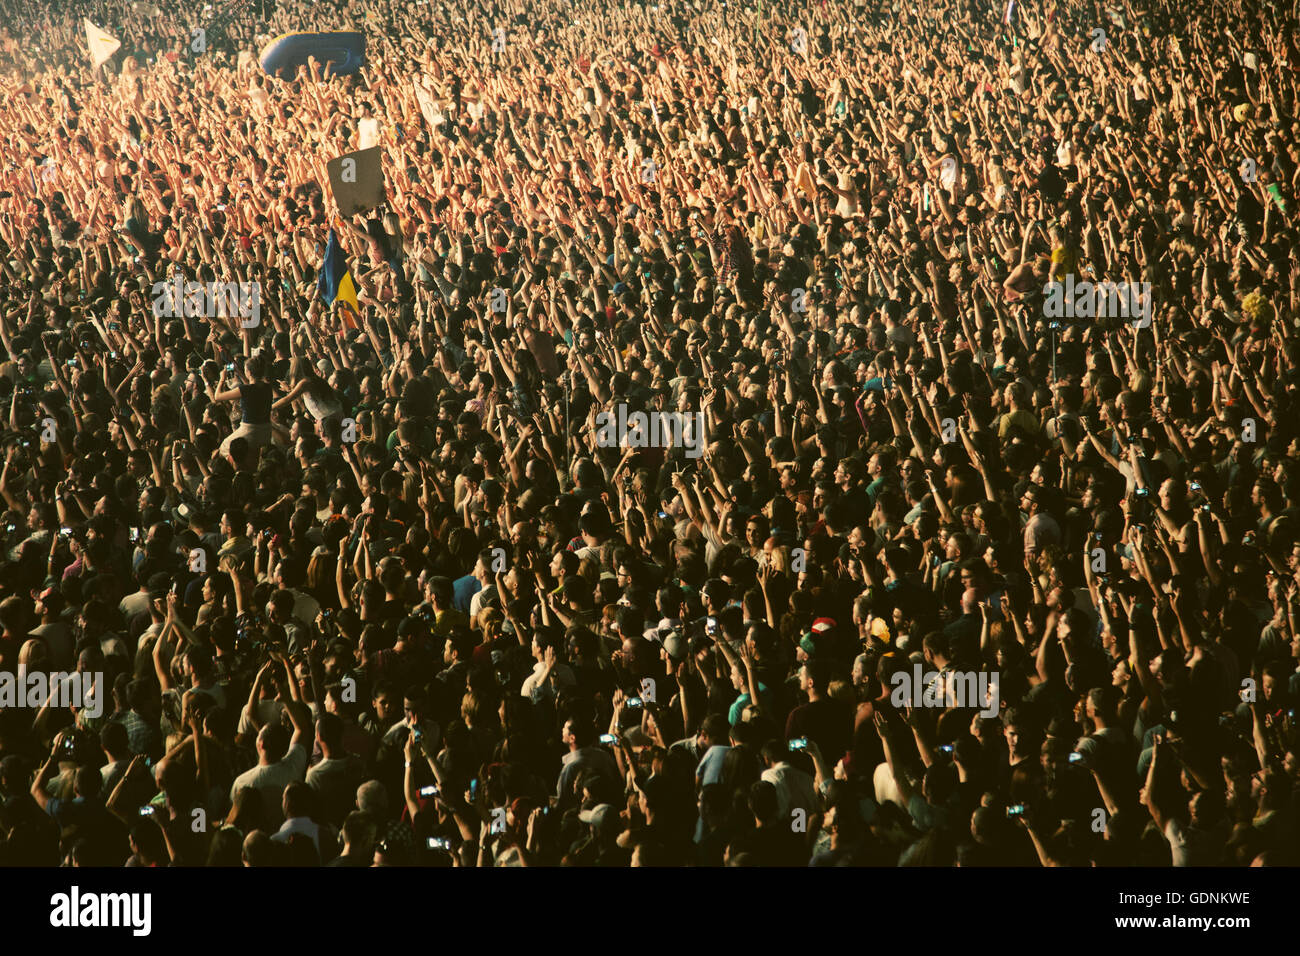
(283, 55)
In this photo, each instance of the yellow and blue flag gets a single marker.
(334, 283)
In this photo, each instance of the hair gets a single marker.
(247, 812)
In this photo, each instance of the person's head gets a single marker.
(372, 799)
(359, 832)
(299, 800)
(113, 739)
(814, 677)
(148, 843)
(577, 734)
(259, 849)
(87, 782)
(272, 743)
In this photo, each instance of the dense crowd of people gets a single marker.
(950, 577)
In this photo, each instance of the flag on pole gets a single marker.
(102, 45)
(334, 284)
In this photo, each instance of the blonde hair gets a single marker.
(489, 621)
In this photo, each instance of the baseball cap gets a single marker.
(601, 817)
(809, 642)
(675, 645)
(822, 625)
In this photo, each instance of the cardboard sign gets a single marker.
(357, 180)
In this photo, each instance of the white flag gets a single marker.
(432, 115)
(102, 45)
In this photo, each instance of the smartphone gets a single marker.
(221, 207)
(946, 748)
(439, 843)
(65, 532)
(710, 625)
(1016, 810)
(428, 791)
(417, 735)
(473, 789)
(1143, 492)
(71, 363)
(634, 702)
(799, 743)
(146, 811)
(608, 739)
(230, 366)
(1195, 486)
(1205, 507)
(1076, 758)
(1096, 536)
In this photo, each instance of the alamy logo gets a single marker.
(75, 909)
(60, 689)
(1088, 300)
(226, 300)
(946, 689)
(618, 429)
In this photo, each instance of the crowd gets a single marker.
(369, 589)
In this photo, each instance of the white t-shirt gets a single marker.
(271, 780)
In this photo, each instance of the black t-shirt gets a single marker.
(828, 722)
(255, 403)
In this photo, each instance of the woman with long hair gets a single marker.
(322, 401)
(254, 395)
